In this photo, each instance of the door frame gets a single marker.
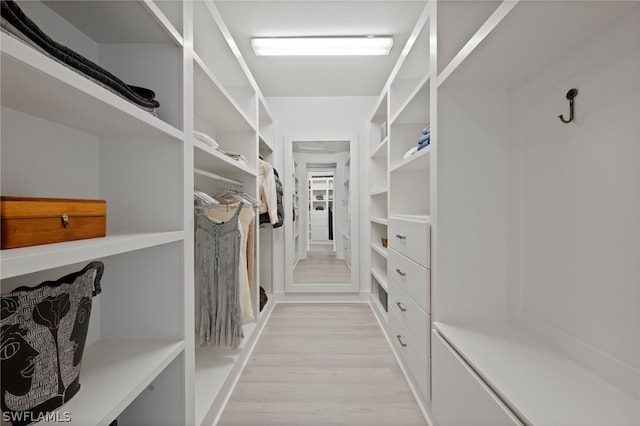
(289, 286)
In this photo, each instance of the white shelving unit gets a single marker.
(321, 194)
(229, 107)
(140, 364)
(404, 189)
(513, 264)
(378, 204)
(94, 144)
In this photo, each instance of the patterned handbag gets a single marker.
(44, 329)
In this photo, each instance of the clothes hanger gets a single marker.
(202, 200)
(233, 194)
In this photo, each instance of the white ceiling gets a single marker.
(320, 76)
(321, 147)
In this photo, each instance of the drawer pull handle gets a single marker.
(399, 271)
(65, 220)
(399, 337)
(402, 308)
(401, 237)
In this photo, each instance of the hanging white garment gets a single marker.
(268, 194)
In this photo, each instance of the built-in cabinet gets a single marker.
(400, 191)
(530, 224)
(140, 364)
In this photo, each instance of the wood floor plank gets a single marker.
(322, 364)
(321, 268)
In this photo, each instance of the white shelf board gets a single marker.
(456, 22)
(412, 110)
(381, 250)
(216, 367)
(213, 102)
(379, 220)
(210, 159)
(412, 217)
(380, 151)
(381, 277)
(44, 88)
(417, 162)
(20, 261)
(379, 191)
(166, 24)
(128, 22)
(544, 30)
(265, 144)
(213, 366)
(113, 374)
(264, 112)
(538, 383)
(380, 109)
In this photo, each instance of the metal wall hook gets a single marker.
(571, 94)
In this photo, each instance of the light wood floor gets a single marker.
(322, 364)
(321, 267)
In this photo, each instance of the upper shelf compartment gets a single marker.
(218, 52)
(141, 21)
(131, 41)
(413, 67)
(518, 37)
(267, 128)
(458, 21)
(37, 85)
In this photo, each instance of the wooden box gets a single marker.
(34, 221)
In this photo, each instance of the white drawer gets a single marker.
(416, 321)
(411, 237)
(413, 278)
(459, 397)
(417, 363)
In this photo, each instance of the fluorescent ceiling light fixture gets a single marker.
(322, 46)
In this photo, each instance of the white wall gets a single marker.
(324, 115)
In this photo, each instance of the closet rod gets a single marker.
(217, 177)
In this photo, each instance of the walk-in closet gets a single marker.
(201, 228)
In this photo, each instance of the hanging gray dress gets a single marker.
(217, 255)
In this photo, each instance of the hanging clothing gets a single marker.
(265, 217)
(218, 320)
(246, 258)
(268, 195)
(279, 198)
